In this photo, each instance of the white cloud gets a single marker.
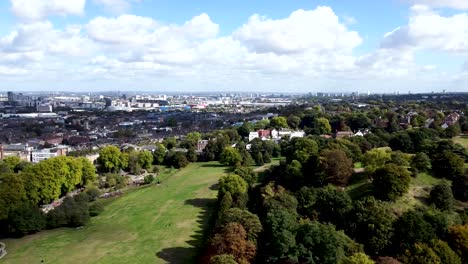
(34, 10)
(427, 29)
(316, 30)
(456, 4)
(308, 49)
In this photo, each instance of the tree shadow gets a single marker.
(212, 165)
(214, 187)
(205, 220)
(361, 191)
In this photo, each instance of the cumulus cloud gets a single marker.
(308, 46)
(456, 4)
(315, 30)
(429, 30)
(34, 10)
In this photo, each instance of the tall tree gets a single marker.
(390, 182)
(110, 157)
(337, 166)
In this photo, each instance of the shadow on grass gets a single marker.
(361, 191)
(205, 220)
(214, 187)
(212, 165)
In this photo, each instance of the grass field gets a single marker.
(462, 140)
(154, 224)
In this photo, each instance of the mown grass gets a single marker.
(155, 224)
(462, 140)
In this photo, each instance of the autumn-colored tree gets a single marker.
(232, 240)
(458, 240)
(337, 166)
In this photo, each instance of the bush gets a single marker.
(93, 193)
(441, 196)
(95, 209)
(148, 179)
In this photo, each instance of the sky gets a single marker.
(296, 46)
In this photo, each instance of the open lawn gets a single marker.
(154, 224)
(462, 140)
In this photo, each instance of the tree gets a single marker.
(390, 182)
(358, 258)
(294, 121)
(280, 235)
(25, 219)
(88, 171)
(421, 254)
(320, 243)
(230, 156)
(448, 165)
(401, 141)
(247, 174)
(170, 142)
(412, 228)
(223, 259)
(458, 240)
(375, 158)
(179, 160)
(12, 193)
(444, 252)
(371, 222)
(245, 129)
(323, 125)
(460, 188)
(110, 158)
(191, 139)
(441, 196)
(232, 240)
(249, 221)
(453, 131)
(422, 162)
(11, 163)
(279, 122)
(332, 206)
(145, 159)
(337, 166)
(234, 185)
(192, 155)
(159, 154)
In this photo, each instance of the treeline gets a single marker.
(305, 211)
(25, 186)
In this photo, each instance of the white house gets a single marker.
(298, 134)
(253, 135)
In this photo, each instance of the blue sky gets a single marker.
(207, 45)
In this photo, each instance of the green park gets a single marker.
(153, 224)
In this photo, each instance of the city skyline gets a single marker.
(177, 46)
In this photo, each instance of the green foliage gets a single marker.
(93, 193)
(245, 129)
(110, 158)
(247, 174)
(88, 171)
(412, 228)
(294, 121)
(12, 193)
(420, 254)
(390, 182)
(422, 162)
(148, 179)
(73, 212)
(223, 259)
(448, 165)
(441, 196)
(280, 231)
(95, 209)
(370, 222)
(453, 131)
(25, 219)
(192, 155)
(376, 158)
(159, 154)
(230, 156)
(232, 184)
(358, 258)
(145, 159)
(445, 253)
(279, 122)
(323, 125)
(321, 243)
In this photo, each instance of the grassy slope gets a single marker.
(156, 224)
(462, 140)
